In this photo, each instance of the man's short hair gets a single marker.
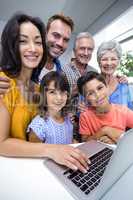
(82, 35)
(65, 19)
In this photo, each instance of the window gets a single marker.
(123, 34)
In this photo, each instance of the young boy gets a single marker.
(101, 120)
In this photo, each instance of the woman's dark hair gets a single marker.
(60, 83)
(10, 58)
(88, 77)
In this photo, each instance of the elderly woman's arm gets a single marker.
(122, 79)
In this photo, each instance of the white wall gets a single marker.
(119, 29)
(2, 24)
(112, 14)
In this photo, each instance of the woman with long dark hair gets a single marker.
(24, 51)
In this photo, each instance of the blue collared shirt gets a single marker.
(123, 95)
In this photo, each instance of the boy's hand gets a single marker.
(106, 139)
(112, 133)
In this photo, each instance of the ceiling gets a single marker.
(88, 15)
(85, 13)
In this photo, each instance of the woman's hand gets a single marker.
(70, 157)
(122, 79)
(4, 85)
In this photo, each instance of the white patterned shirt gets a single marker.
(45, 71)
(52, 132)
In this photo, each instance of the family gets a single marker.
(39, 98)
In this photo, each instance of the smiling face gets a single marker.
(109, 62)
(83, 50)
(58, 37)
(96, 94)
(30, 45)
(56, 99)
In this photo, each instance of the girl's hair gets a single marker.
(88, 77)
(10, 58)
(60, 83)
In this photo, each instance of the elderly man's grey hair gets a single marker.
(82, 35)
(109, 46)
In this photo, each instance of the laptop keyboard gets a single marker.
(88, 181)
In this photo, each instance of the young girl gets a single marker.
(101, 120)
(52, 126)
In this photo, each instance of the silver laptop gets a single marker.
(107, 166)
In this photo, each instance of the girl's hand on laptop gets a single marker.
(70, 157)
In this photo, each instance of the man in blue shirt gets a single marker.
(59, 29)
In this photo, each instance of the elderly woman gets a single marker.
(108, 56)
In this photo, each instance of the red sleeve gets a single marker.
(84, 124)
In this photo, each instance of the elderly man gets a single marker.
(83, 48)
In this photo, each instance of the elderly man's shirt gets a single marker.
(73, 73)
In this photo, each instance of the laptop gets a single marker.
(108, 164)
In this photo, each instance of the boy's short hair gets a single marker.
(88, 77)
